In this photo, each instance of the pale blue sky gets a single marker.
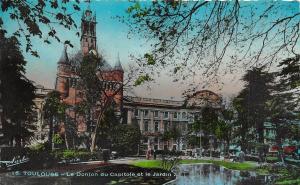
(112, 38)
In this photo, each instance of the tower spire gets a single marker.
(64, 56)
(118, 65)
(88, 5)
(88, 30)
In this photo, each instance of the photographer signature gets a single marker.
(15, 161)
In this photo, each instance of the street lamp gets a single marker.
(211, 140)
(200, 135)
(1, 126)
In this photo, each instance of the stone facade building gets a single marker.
(156, 116)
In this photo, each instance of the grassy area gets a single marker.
(229, 165)
(288, 182)
(147, 163)
(272, 159)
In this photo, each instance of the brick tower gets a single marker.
(63, 74)
(88, 31)
(67, 78)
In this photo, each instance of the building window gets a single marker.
(156, 126)
(136, 112)
(146, 113)
(166, 114)
(175, 115)
(165, 126)
(184, 115)
(156, 113)
(145, 140)
(146, 125)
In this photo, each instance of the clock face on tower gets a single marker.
(94, 52)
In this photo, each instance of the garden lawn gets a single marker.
(229, 165)
(288, 182)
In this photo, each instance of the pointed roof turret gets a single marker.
(88, 15)
(118, 65)
(64, 56)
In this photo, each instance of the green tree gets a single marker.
(251, 103)
(126, 139)
(54, 112)
(281, 117)
(284, 102)
(17, 93)
(290, 72)
(94, 95)
(96, 100)
(224, 128)
(108, 125)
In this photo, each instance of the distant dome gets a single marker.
(204, 98)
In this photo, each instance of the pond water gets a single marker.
(208, 174)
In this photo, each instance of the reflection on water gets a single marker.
(208, 174)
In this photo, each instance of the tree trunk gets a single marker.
(227, 146)
(66, 140)
(94, 134)
(18, 136)
(93, 144)
(261, 132)
(99, 119)
(280, 151)
(50, 134)
(73, 143)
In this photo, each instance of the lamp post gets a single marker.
(1, 126)
(211, 140)
(200, 144)
(1, 111)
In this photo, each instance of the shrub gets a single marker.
(38, 148)
(73, 154)
(57, 139)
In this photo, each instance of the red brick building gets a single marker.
(67, 78)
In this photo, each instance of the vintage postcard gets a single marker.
(161, 92)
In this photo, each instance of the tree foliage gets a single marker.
(126, 139)
(204, 36)
(54, 112)
(34, 16)
(252, 105)
(17, 92)
(290, 73)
